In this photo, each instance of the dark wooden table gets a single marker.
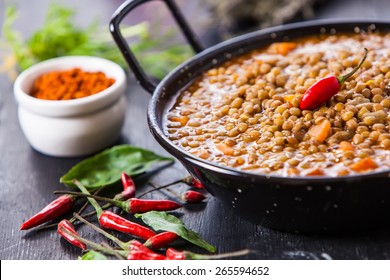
(28, 178)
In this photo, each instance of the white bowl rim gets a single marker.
(65, 108)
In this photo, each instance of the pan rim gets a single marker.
(159, 93)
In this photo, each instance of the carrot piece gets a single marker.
(289, 98)
(320, 131)
(292, 171)
(364, 164)
(346, 146)
(315, 172)
(182, 119)
(226, 149)
(343, 172)
(282, 48)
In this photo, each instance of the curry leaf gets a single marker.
(93, 255)
(167, 222)
(106, 167)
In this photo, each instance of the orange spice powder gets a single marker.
(70, 84)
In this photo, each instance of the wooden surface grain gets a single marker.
(28, 178)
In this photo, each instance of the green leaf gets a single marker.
(106, 167)
(167, 222)
(92, 256)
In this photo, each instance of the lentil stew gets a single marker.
(245, 113)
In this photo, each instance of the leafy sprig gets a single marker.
(59, 36)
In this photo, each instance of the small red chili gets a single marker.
(325, 88)
(135, 245)
(192, 196)
(138, 251)
(108, 219)
(65, 224)
(173, 254)
(55, 209)
(160, 240)
(144, 255)
(113, 221)
(191, 181)
(128, 188)
(136, 205)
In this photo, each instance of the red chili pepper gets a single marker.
(193, 182)
(160, 240)
(132, 205)
(135, 245)
(55, 209)
(325, 88)
(65, 224)
(110, 220)
(173, 254)
(192, 196)
(144, 255)
(139, 251)
(128, 188)
(136, 205)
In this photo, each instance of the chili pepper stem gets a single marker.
(342, 79)
(166, 187)
(73, 219)
(121, 244)
(96, 246)
(95, 197)
(220, 256)
(85, 205)
(116, 254)
(94, 203)
(156, 188)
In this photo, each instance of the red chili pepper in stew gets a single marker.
(65, 224)
(161, 240)
(325, 88)
(192, 196)
(55, 209)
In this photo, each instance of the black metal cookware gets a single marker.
(298, 204)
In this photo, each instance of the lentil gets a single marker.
(254, 122)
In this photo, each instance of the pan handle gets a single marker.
(146, 81)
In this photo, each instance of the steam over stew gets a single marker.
(245, 113)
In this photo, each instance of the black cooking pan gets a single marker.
(298, 204)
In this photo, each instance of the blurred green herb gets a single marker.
(59, 36)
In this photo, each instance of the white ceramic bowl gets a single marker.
(76, 127)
